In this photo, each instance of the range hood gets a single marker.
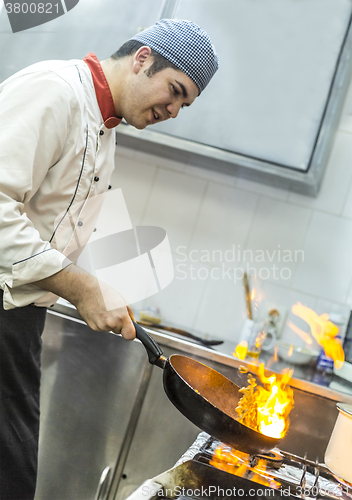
(271, 110)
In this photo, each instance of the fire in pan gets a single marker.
(207, 398)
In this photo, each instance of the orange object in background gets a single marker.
(241, 350)
(324, 332)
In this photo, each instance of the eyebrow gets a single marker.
(183, 88)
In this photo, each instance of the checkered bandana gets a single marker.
(186, 45)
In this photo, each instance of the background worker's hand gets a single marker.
(99, 305)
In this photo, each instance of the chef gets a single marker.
(56, 154)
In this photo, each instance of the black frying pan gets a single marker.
(205, 397)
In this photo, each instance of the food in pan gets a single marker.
(266, 408)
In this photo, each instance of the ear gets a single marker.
(142, 55)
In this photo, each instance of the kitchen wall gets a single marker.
(295, 248)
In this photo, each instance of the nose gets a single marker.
(173, 110)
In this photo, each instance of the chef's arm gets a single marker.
(101, 307)
(37, 109)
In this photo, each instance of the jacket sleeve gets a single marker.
(36, 112)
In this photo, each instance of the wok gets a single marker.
(205, 397)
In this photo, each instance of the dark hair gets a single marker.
(159, 62)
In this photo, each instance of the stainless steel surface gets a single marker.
(161, 437)
(103, 486)
(130, 431)
(90, 381)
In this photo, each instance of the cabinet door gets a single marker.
(89, 384)
(162, 436)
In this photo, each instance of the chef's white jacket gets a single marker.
(55, 154)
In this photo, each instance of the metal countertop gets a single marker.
(176, 342)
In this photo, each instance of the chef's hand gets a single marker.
(104, 309)
(100, 306)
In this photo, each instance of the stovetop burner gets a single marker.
(275, 459)
(277, 470)
(212, 470)
(272, 459)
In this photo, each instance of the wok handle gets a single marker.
(153, 349)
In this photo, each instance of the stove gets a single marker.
(212, 470)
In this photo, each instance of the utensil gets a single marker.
(339, 450)
(248, 295)
(205, 397)
(184, 333)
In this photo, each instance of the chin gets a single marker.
(140, 127)
(137, 125)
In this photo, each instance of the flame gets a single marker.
(238, 463)
(241, 350)
(324, 332)
(273, 358)
(266, 408)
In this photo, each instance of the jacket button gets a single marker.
(80, 223)
(96, 179)
(101, 132)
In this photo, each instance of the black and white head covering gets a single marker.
(186, 45)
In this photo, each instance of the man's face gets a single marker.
(148, 100)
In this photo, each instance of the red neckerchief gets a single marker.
(103, 92)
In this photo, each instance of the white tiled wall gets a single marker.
(298, 249)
